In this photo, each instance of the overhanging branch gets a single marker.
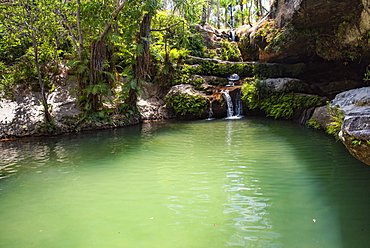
(169, 27)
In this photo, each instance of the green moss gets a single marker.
(224, 70)
(274, 37)
(187, 105)
(248, 51)
(277, 104)
(230, 52)
(261, 70)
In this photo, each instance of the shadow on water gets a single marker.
(343, 179)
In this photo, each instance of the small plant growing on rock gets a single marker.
(335, 125)
(313, 123)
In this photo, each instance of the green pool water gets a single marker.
(223, 183)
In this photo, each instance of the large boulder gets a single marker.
(154, 109)
(355, 131)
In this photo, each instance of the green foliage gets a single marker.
(182, 74)
(190, 10)
(356, 142)
(336, 123)
(187, 105)
(224, 70)
(248, 50)
(230, 51)
(313, 123)
(181, 36)
(277, 104)
(367, 74)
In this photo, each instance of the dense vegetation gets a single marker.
(107, 45)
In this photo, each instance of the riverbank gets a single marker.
(23, 116)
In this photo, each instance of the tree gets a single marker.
(100, 55)
(33, 23)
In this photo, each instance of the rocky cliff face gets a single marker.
(332, 39)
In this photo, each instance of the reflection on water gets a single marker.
(236, 183)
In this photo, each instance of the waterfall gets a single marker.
(230, 107)
(239, 104)
(232, 35)
(210, 112)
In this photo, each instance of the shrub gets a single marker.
(230, 51)
(184, 104)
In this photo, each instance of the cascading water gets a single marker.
(210, 113)
(230, 107)
(239, 105)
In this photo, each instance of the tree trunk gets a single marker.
(241, 11)
(250, 13)
(218, 15)
(48, 118)
(141, 67)
(210, 4)
(204, 15)
(143, 58)
(98, 74)
(79, 29)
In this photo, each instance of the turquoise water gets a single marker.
(224, 183)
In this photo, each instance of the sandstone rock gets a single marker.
(154, 109)
(186, 89)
